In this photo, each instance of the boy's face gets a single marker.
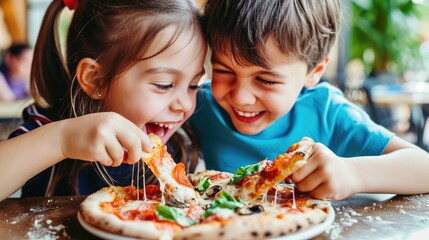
(253, 96)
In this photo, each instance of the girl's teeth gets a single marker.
(246, 114)
(169, 126)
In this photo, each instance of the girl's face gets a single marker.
(253, 96)
(158, 94)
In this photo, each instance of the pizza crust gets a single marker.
(92, 214)
(258, 226)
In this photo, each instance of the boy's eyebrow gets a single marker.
(272, 73)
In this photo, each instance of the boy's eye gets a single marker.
(221, 71)
(164, 87)
(266, 82)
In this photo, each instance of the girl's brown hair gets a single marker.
(113, 33)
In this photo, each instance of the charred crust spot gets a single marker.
(221, 233)
(254, 234)
(302, 154)
(268, 233)
(298, 227)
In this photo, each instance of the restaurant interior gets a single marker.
(380, 62)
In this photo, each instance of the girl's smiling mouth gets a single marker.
(160, 128)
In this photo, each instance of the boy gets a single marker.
(267, 57)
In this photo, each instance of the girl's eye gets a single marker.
(194, 87)
(265, 82)
(164, 87)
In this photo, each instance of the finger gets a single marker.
(327, 191)
(145, 142)
(132, 147)
(304, 171)
(320, 192)
(116, 152)
(310, 182)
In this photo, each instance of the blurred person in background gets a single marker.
(15, 69)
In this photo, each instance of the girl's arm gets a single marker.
(402, 169)
(98, 137)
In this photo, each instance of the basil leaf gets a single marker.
(225, 201)
(204, 183)
(245, 171)
(174, 215)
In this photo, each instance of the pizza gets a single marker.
(254, 202)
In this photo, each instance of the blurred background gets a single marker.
(380, 61)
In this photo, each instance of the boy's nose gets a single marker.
(240, 95)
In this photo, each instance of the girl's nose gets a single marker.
(182, 103)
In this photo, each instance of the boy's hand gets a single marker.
(326, 175)
(105, 137)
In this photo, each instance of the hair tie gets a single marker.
(71, 4)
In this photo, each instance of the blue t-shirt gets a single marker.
(321, 112)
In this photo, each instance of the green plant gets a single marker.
(385, 34)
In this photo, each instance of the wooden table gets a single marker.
(359, 217)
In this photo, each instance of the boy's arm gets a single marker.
(401, 170)
(98, 137)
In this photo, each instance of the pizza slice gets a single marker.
(251, 182)
(171, 176)
(254, 186)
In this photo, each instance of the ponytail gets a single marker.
(49, 75)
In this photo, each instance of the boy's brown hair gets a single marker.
(303, 29)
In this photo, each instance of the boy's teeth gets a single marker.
(246, 114)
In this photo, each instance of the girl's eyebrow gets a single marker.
(163, 70)
(171, 71)
(200, 74)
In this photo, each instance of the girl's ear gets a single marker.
(317, 73)
(88, 75)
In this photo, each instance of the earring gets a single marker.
(99, 93)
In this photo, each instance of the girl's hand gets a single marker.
(105, 137)
(326, 175)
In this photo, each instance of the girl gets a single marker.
(141, 59)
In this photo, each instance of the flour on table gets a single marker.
(44, 230)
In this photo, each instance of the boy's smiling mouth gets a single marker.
(248, 117)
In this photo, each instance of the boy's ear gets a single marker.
(88, 75)
(317, 73)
